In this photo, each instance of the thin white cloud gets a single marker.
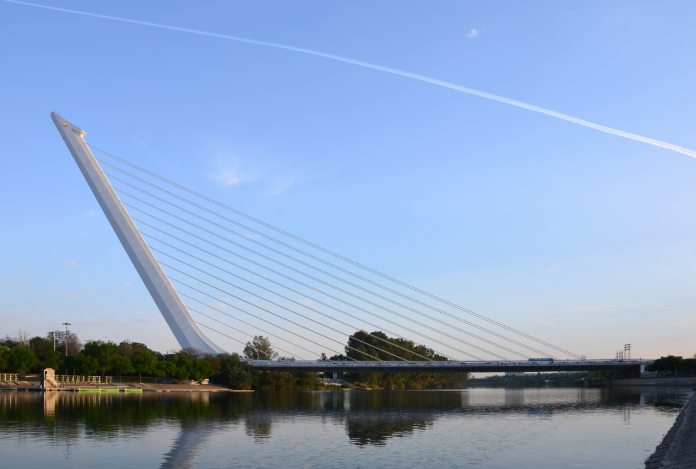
(281, 184)
(385, 69)
(73, 264)
(227, 176)
(269, 175)
(473, 33)
(230, 170)
(231, 180)
(91, 213)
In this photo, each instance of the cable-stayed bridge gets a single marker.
(209, 266)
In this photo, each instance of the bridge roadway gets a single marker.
(622, 367)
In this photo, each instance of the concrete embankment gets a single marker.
(661, 381)
(666, 381)
(678, 448)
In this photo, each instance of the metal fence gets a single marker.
(78, 379)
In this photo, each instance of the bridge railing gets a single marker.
(593, 363)
(80, 379)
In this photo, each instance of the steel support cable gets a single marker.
(140, 221)
(318, 311)
(228, 336)
(221, 333)
(410, 352)
(258, 317)
(177, 259)
(319, 259)
(331, 253)
(463, 331)
(312, 267)
(476, 326)
(246, 359)
(277, 315)
(247, 344)
(249, 292)
(192, 298)
(483, 339)
(277, 272)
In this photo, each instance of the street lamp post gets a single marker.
(66, 324)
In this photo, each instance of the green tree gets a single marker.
(200, 369)
(3, 357)
(234, 373)
(144, 361)
(668, 363)
(363, 346)
(673, 364)
(260, 348)
(121, 365)
(103, 353)
(80, 364)
(21, 359)
(47, 357)
(186, 365)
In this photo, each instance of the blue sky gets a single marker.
(583, 238)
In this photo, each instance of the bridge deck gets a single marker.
(452, 366)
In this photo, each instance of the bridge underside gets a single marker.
(626, 368)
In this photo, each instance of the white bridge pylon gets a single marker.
(163, 293)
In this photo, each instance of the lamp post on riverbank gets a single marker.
(66, 324)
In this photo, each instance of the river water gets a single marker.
(477, 427)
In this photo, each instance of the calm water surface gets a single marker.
(496, 428)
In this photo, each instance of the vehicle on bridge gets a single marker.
(541, 361)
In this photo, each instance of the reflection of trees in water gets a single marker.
(369, 428)
(258, 425)
(370, 418)
(67, 415)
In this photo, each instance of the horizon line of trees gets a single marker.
(674, 365)
(98, 357)
(106, 358)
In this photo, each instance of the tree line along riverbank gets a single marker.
(65, 353)
(132, 361)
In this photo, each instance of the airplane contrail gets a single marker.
(382, 68)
